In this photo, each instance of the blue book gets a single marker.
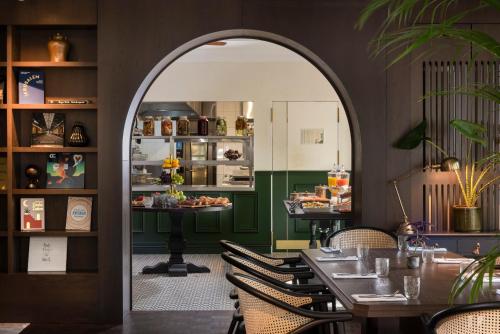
(31, 86)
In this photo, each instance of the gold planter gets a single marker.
(466, 219)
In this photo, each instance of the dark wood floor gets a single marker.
(171, 322)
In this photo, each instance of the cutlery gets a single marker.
(374, 295)
(349, 274)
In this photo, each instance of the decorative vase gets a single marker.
(466, 219)
(32, 172)
(78, 136)
(58, 47)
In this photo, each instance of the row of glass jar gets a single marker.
(148, 127)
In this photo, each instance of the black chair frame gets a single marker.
(351, 228)
(320, 317)
(441, 315)
(290, 261)
(312, 288)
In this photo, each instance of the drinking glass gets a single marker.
(412, 287)
(402, 242)
(148, 201)
(427, 254)
(362, 252)
(382, 266)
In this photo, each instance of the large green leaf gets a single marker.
(470, 130)
(413, 138)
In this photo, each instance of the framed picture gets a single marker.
(47, 254)
(79, 214)
(66, 170)
(47, 129)
(32, 214)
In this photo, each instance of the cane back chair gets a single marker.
(268, 309)
(371, 237)
(483, 318)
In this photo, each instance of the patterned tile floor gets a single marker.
(196, 292)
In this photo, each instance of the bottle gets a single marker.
(183, 126)
(148, 126)
(241, 126)
(221, 127)
(166, 126)
(203, 126)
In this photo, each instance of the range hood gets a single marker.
(172, 109)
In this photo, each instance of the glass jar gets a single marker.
(221, 127)
(183, 126)
(241, 126)
(148, 126)
(166, 126)
(203, 126)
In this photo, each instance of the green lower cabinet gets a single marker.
(248, 223)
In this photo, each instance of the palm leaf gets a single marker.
(470, 130)
(413, 138)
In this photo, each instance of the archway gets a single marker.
(179, 52)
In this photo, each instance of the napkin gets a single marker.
(354, 275)
(498, 291)
(419, 249)
(380, 298)
(456, 260)
(336, 258)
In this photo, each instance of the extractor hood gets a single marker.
(172, 109)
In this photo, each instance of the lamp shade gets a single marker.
(450, 164)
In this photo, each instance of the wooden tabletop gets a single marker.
(300, 214)
(435, 283)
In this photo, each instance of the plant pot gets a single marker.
(466, 219)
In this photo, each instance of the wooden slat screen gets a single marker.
(440, 192)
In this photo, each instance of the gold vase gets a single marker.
(466, 219)
(58, 47)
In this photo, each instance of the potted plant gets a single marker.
(476, 175)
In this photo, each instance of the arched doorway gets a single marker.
(179, 52)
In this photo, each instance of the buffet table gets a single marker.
(176, 265)
(325, 220)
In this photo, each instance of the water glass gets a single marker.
(148, 201)
(402, 243)
(382, 266)
(362, 252)
(427, 254)
(412, 287)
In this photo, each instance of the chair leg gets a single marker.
(232, 326)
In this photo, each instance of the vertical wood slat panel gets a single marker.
(438, 197)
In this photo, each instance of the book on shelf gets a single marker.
(70, 100)
(79, 214)
(2, 87)
(31, 87)
(47, 254)
(3, 173)
(32, 214)
(47, 129)
(65, 171)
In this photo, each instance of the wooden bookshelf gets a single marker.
(26, 47)
(55, 106)
(72, 234)
(55, 192)
(50, 64)
(70, 149)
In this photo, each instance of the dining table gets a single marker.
(436, 280)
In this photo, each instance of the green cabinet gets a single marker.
(248, 223)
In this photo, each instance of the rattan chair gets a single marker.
(282, 277)
(250, 254)
(368, 236)
(481, 318)
(268, 309)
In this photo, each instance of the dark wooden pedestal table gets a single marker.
(323, 218)
(176, 265)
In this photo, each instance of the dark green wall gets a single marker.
(249, 223)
